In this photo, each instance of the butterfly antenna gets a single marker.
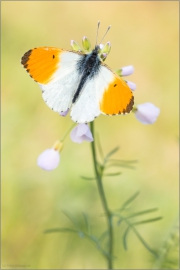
(105, 33)
(97, 31)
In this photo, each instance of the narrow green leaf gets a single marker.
(129, 201)
(73, 220)
(103, 236)
(125, 238)
(87, 178)
(112, 174)
(86, 220)
(147, 221)
(111, 153)
(143, 242)
(120, 165)
(123, 161)
(142, 212)
(55, 230)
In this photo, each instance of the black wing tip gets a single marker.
(25, 58)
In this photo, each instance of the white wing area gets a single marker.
(86, 107)
(58, 93)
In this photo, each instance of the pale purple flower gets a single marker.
(81, 133)
(128, 70)
(64, 113)
(147, 113)
(49, 159)
(131, 85)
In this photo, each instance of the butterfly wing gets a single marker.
(106, 93)
(86, 107)
(114, 95)
(56, 73)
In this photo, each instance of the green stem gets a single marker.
(65, 135)
(104, 201)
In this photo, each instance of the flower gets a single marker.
(146, 113)
(49, 159)
(75, 46)
(126, 71)
(131, 85)
(81, 133)
(86, 43)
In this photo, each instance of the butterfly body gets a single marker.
(88, 67)
(77, 81)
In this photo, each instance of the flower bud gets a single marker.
(125, 71)
(81, 133)
(146, 113)
(49, 159)
(75, 46)
(131, 85)
(103, 56)
(86, 43)
(106, 49)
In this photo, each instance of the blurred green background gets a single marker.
(144, 34)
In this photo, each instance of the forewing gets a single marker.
(56, 72)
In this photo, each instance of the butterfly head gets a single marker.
(101, 50)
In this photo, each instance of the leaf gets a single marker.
(87, 178)
(143, 242)
(123, 161)
(120, 165)
(86, 220)
(103, 236)
(112, 174)
(110, 154)
(147, 221)
(142, 212)
(124, 238)
(55, 230)
(73, 220)
(129, 201)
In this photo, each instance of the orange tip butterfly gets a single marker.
(78, 81)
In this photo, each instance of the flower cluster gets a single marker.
(146, 113)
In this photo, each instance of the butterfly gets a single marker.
(78, 81)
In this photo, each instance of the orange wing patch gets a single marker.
(41, 63)
(117, 98)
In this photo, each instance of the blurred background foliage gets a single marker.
(144, 34)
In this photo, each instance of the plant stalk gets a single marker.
(103, 200)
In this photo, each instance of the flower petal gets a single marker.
(81, 133)
(128, 70)
(147, 113)
(49, 159)
(131, 85)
